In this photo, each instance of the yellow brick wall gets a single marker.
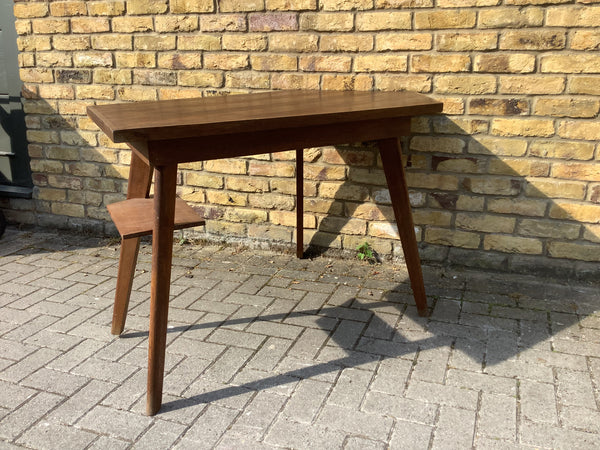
(507, 178)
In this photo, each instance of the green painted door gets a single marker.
(15, 174)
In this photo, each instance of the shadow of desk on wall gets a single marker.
(164, 133)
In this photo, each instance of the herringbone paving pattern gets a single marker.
(267, 351)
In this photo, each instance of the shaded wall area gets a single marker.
(507, 178)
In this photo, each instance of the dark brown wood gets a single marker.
(134, 217)
(140, 178)
(165, 133)
(300, 203)
(211, 116)
(391, 158)
(162, 252)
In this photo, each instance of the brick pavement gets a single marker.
(267, 351)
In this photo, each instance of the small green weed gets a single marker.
(365, 252)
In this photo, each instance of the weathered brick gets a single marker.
(570, 63)
(340, 5)
(327, 21)
(488, 223)
(522, 207)
(27, 10)
(93, 59)
(501, 107)
(511, 17)
(173, 24)
(50, 26)
(89, 25)
(566, 107)
(191, 6)
(440, 63)
(374, 21)
(512, 244)
(106, 8)
(34, 43)
(522, 127)
(112, 76)
(461, 42)
(576, 171)
(159, 42)
(241, 5)
(346, 42)
(580, 212)
(454, 238)
(136, 7)
(201, 79)
(297, 42)
(178, 61)
(132, 24)
(507, 63)
(225, 22)
(403, 41)
(572, 250)
(437, 20)
(347, 83)
(437, 144)
(465, 84)
(198, 42)
(579, 129)
(573, 16)
(492, 185)
(325, 63)
(532, 84)
(552, 188)
(71, 42)
(548, 228)
(68, 8)
(136, 93)
(585, 40)
(533, 40)
(286, 5)
(245, 42)
(112, 42)
(417, 83)
(271, 63)
(562, 149)
(295, 81)
(381, 63)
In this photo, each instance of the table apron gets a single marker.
(165, 152)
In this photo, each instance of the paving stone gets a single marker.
(350, 388)
(481, 382)
(236, 338)
(306, 400)
(392, 375)
(51, 436)
(28, 365)
(161, 435)
(210, 426)
(290, 434)
(401, 408)
(538, 402)
(100, 369)
(270, 354)
(81, 402)
(441, 394)
(411, 435)
(115, 423)
(27, 414)
(48, 380)
(262, 410)
(498, 416)
(373, 426)
(456, 426)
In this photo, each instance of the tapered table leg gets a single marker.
(140, 178)
(300, 203)
(162, 252)
(391, 157)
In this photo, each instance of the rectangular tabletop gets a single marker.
(212, 116)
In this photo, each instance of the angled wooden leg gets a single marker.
(140, 178)
(162, 252)
(391, 157)
(300, 203)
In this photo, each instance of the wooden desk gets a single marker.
(165, 133)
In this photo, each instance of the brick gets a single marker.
(56, 91)
(498, 107)
(225, 61)
(381, 63)
(112, 76)
(68, 8)
(345, 5)
(226, 22)
(241, 5)
(135, 7)
(454, 238)
(93, 59)
(327, 21)
(375, 21)
(548, 229)
(178, 61)
(132, 24)
(50, 26)
(521, 167)
(417, 83)
(29, 10)
(403, 41)
(465, 84)
(464, 42)
(33, 43)
(552, 188)
(273, 22)
(512, 63)
(587, 130)
(97, 92)
(136, 93)
(270, 62)
(566, 107)
(492, 185)
(297, 42)
(286, 5)
(247, 79)
(585, 40)
(198, 42)
(581, 16)
(112, 42)
(533, 40)
(89, 25)
(575, 211)
(512, 244)
(325, 63)
(161, 43)
(106, 8)
(487, 223)
(572, 63)
(440, 63)
(436, 20)
(347, 83)
(295, 81)
(532, 84)
(172, 24)
(522, 127)
(191, 6)
(246, 42)
(346, 42)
